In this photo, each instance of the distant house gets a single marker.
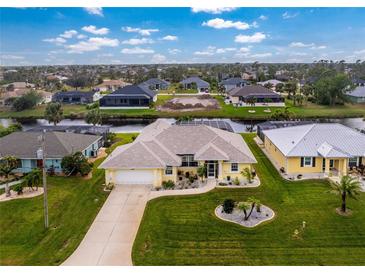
(357, 95)
(24, 146)
(234, 82)
(73, 97)
(260, 95)
(133, 96)
(18, 85)
(358, 82)
(111, 85)
(156, 84)
(201, 85)
(273, 82)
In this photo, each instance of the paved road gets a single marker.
(110, 238)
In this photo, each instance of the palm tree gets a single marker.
(202, 170)
(54, 113)
(348, 186)
(33, 178)
(7, 165)
(93, 117)
(247, 174)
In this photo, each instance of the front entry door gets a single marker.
(211, 169)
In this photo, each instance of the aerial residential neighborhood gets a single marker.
(195, 136)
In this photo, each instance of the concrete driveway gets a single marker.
(110, 238)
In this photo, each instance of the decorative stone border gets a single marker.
(256, 183)
(27, 193)
(237, 216)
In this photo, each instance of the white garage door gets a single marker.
(134, 177)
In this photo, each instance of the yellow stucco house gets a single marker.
(165, 152)
(315, 149)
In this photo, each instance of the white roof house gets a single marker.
(318, 140)
(160, 144)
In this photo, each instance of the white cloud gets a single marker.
(57, 40)
(81, 36)
(137, 50)
(11, 57)
(362, 51)
(68, 34)
(219, 23)
(170, 38)
(174, 51)
(255, 24)
(92, 29)
(137, 41)
(224, 50)
(143, 32)
(318, 47)
(288, 15)
(216, 10)
(261, 55)
(209, 51)
(92, 44)
(255, 38)
(263, 17)
(299, 54)
(300, 45)
(158, 59)
(94, 11)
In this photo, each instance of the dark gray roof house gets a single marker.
(201, 85)
(133, 96)
(358, 82)
(73, 97)
(156, 84)
(233, 82)
(259, 93)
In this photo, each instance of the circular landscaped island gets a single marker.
(256, 216)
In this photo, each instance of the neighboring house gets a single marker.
(46, 96)
(260, 95)
(24, 146)
(14, 90)
(74, 97)
(156, 84)
(111, 85)
(81, 129)
(357, 95)
(358, 82)
(316, 149)
(273, 82)
(166, 152)
(201, 85)
(249, 76)
(232, 83)
(133, 96)
(19, 85)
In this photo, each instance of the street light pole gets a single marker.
(42, 155)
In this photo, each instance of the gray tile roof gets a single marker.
(133, 91)
(155, 81)
(160, 143)
(24, 145)
(318, 140)
(233, 81)
(194, 79)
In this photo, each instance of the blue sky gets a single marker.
(41, 36)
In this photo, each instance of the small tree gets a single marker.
(7, 165)
(248, 206)
(202, 170)
(75, 163)
(348, 186)
(93, 117)
(54, 113)
(247, 174)
(33, 178)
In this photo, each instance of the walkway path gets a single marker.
(110, 238)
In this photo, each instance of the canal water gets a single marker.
(136, 125)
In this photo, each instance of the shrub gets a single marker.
(228, 206)
(168, 184)
(27, 101)
(76, 163)
(191, 179)
(19, 189)
(236, 181)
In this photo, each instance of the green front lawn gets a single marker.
(73, 206)
(183, 230)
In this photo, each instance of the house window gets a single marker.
(332, 163)
(188, 160)
(168, 170)
(307, 161)
(234, 167)
(353, 161)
